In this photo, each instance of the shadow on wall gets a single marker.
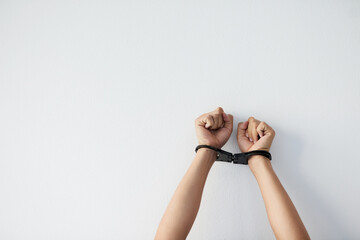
(288, 149)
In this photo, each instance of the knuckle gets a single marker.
(215, 115)
(209, 119)
(199, 117)
(272, 132)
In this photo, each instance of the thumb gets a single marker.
(228, 121)
(223, 134)
(242, 126)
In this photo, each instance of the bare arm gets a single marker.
(284, 219)
(212, 129)
(184, 205)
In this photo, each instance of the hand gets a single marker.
(214, 128)
(254, 135)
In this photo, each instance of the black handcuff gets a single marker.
(237, 158)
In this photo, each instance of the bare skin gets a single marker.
(284, 219)
(214, 129)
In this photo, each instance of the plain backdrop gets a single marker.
(98, 101)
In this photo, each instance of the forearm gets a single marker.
(284, 219)
(184, 205)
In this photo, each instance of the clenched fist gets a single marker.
(254, 135)
(214, 128)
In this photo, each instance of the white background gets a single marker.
(98, 101)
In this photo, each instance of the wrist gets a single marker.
(258, 161)
(207, 153)
(212, 144)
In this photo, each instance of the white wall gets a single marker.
(98, 101)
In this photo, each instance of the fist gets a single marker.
(214, 128)
(254, 135)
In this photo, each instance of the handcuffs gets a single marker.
(237, 158)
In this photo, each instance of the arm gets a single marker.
(213, 129)
(184, 205)
(284, 219)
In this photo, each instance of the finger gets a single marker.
(199, 121)
(260, 129)
(249, 131)
(217, 116)
(219, 113)
(241, 130)
(254, 132)
(218, 120)
(209, 121)
(266, 129)
(243, 141)
(252, 129)
(257, 137)
(221, 120)
(228, 121)
(225, 132)
(219, 110)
